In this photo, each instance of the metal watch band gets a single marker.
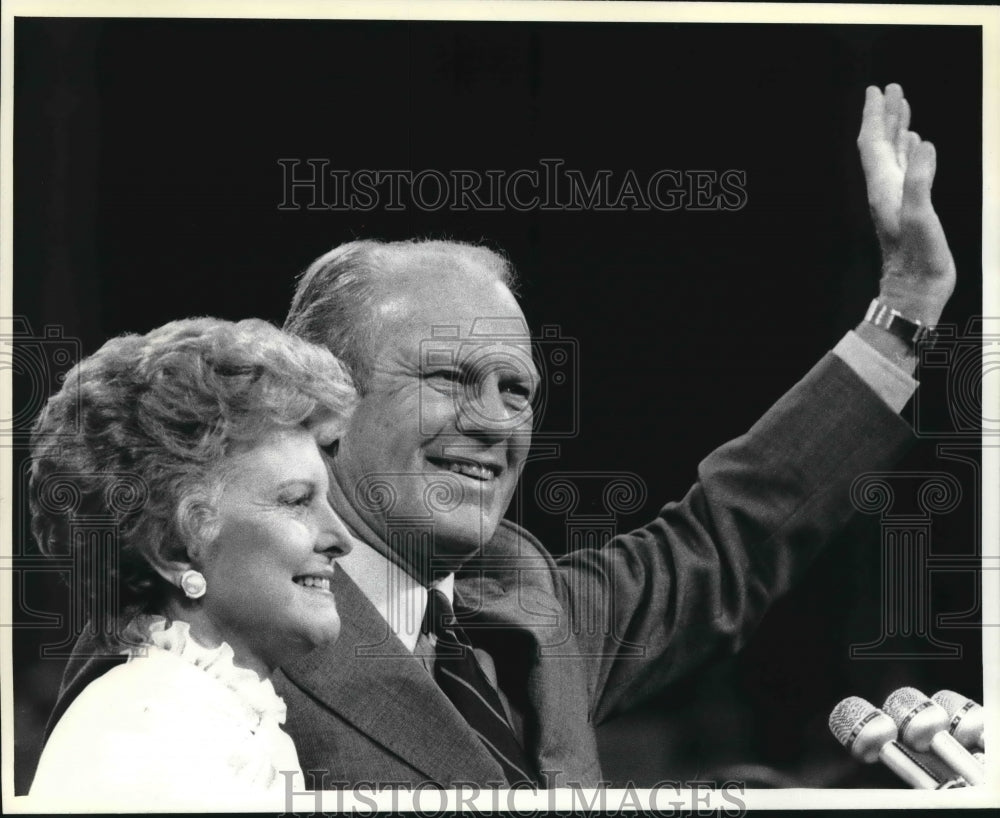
(911, 331)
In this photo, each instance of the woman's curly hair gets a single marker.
(137, 437)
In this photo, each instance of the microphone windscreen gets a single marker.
(862, 728)
(918, 717)
(901, 703)
(966, 718)
(846, 715)
(953, 702)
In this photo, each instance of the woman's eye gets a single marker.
(298, 500)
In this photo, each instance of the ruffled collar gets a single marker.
(256, 694)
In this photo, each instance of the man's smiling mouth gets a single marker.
(484, 472)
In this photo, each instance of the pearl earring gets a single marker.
(193, 584)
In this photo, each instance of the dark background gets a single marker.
(147, 188)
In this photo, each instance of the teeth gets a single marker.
(323, 583)
(471, 470)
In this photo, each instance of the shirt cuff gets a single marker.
(890, 383)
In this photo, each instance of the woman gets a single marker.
(196, 448)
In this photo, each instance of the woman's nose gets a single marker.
(334, 537)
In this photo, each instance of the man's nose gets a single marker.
(486, 412)
(334, 539)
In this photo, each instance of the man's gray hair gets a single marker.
(336, 297)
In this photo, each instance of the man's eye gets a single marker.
(448, 375)
(520, 392)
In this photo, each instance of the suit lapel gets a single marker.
(370, 679)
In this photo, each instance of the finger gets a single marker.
(904, 115)
(872, 127)
(871, 116)
(893, 111)
(921, 166)
(907, 141)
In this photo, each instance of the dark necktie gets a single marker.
(461, 679)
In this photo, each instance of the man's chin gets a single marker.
(465, 529)
(453, 541)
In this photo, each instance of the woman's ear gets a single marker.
(195, 528)
(197, 524)
(181, 566)
(170, 562)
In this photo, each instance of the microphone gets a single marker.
(923, 725)
(966, 716)
(870, 736)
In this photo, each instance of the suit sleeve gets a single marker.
(691, 585)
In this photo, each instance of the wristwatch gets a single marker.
(910, 330)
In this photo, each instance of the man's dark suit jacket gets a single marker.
(681, 591)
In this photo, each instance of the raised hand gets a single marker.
(918, 272)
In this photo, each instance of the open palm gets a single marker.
(918, 272)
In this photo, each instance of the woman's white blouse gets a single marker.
(178, 724)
